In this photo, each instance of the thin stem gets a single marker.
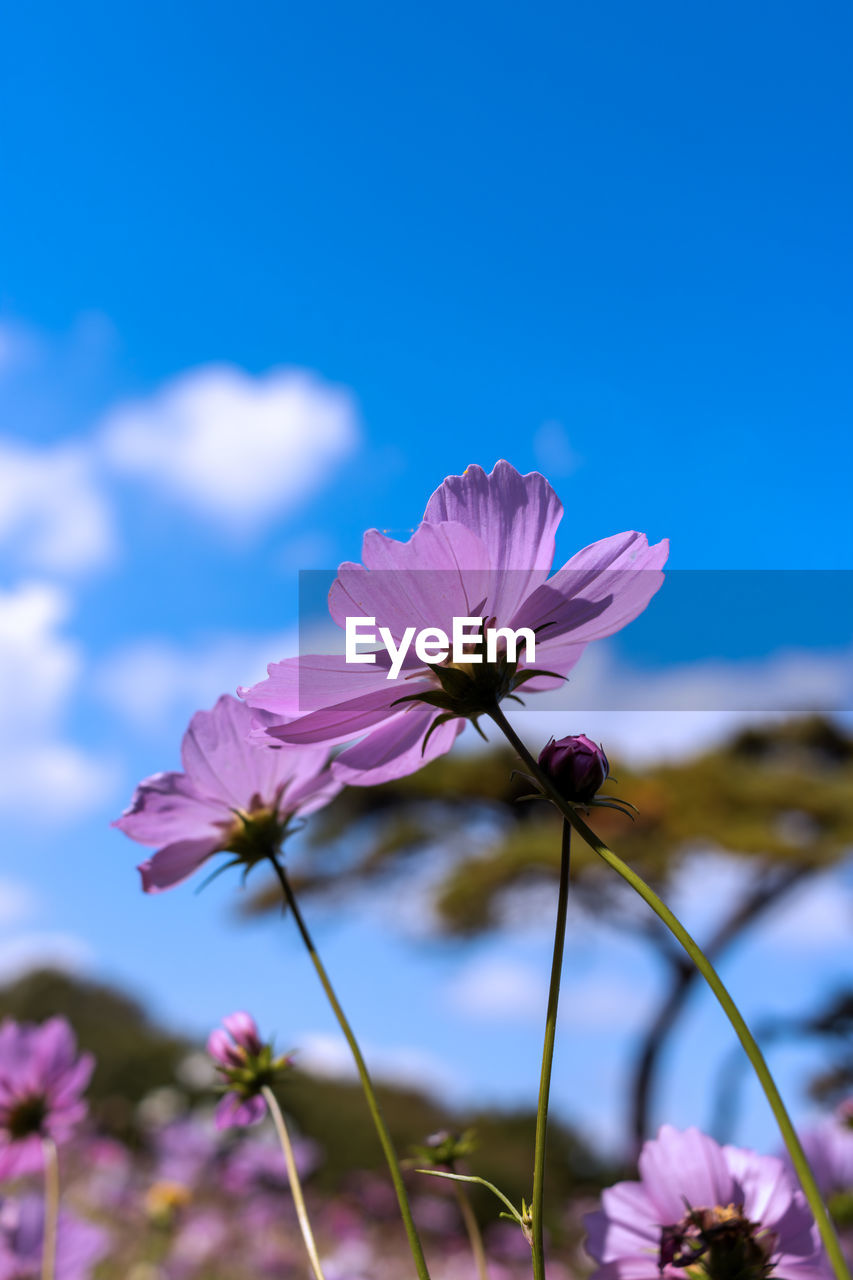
(473, 1229)
(51, 1208)
(709, 973)
(364, 1076)
(538, 1241)
(293, 1178)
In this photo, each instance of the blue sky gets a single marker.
(267, 277)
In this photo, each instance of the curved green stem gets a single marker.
(472, 1227)
(293, 1179)
(709, 973)
(364, 1076)
(538, 1241)
(51, 1208)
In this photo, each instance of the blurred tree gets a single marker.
(778, 798)
(831, 1025)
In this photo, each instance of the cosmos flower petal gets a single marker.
(79, 1245)
(315, 789)
(21, 1158)
(516, 517)
(220, 1046)
(442, 572)
(598, 591)
(175, 863)
(558, 655)
(681, 1166)
(42, 1081)
(396, 749)
(345, 720)
(167, 806)
(766, 1189)
(297, 686)
(228, 780)
(234, 1112)
(489, 536)
(685, 1171)
(220, 761)
(623, 1225)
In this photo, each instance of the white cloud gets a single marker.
(40, 772)
(17, 901)
(239, 448)
(53, 514)
(328, 1055)
(155, 682)
(500, 990)
(817, 918)
(669, 712)
(605, 1002)
(29, 951)
(494, 989)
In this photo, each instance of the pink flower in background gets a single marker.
(255, 1166)
(42, 1082)
(247, 1065)
(829, 1148)
(485, 549)
(723, 1210)
(232, 797)
(80, 1246)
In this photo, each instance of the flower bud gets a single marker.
(222, 1049)
(244, 1031)
(443, 1149)
(577, 767)
(246, 1065)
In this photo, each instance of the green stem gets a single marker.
(538, 1241)
(293, 1178)
(51, 1208)
(473, 1229)
(709, 973)
(364, 1076)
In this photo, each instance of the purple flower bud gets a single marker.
(244, 1031)
(221, 1047)
(577, 766)
(247, 1066)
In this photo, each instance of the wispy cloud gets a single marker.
(242, 450)
(667, 712)
(155, 682)
(48, 950)
(327, 1054)
(41, 771)
(54, 514)
(18, 901)
(493, 989)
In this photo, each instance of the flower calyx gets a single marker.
(468, 690)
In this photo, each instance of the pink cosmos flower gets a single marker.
(702, 1209)
(484, 549)
(230, 798)
(80, 1246)
(246, 1065)
(42, 1082)
(829, 1148)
